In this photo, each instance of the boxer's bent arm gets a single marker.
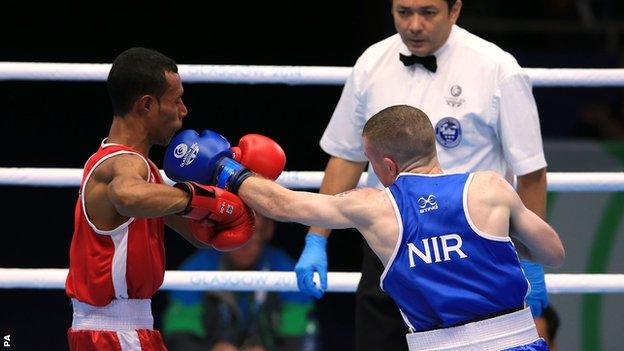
(133, 196)
(334, 212)
(540, 239)
(531, 188)
(340, 175)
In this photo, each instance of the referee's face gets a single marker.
(424, 25)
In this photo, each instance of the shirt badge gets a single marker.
(455, 100)
(448, 132)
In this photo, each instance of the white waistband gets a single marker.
(498, 333)
(119, 315)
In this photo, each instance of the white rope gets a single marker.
(21, 278)
(310, 75)
(557, 181)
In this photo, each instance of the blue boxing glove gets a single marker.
(312, 259)
(204, 158)
(538, 297)
(193, 157)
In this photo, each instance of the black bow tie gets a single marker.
(429, 62)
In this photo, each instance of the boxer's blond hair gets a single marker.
(403, 133)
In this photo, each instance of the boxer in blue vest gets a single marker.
(444, 239)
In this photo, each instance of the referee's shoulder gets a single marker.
(486, 51)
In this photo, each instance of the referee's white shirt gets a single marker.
(479, 101)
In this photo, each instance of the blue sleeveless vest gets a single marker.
(444, 271)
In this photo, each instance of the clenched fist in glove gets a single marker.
(191, 156)
(217, 217)
(261, 155)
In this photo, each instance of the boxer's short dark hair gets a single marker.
(136, 72)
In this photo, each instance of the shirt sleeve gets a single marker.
(518, 125)
(343, 135)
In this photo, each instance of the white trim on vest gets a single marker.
(480, 233)
(123, 226)
(397, 213)
(119, 264)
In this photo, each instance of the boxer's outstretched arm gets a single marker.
(340, 175)
(345, 210)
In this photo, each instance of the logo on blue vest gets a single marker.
(448, 132)
(428, 204)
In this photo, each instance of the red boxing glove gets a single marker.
(224, 236)
(260, 154)
(217, 217)
(231, 236)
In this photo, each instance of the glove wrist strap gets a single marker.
(188, 188)
(230, 174)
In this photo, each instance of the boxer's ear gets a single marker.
(145, 104)
(391, 166)
(391, 170)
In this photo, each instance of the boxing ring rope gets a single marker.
(50, 278)
(14, 278)
(310, 75)
(557, 181)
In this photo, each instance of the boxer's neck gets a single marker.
(130, 132)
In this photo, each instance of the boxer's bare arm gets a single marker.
(367, 209)
(531, 188)
(541, 240)
(344, 210)
(340, 175)
(133, 196)
(118, 189)
(487, 212)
